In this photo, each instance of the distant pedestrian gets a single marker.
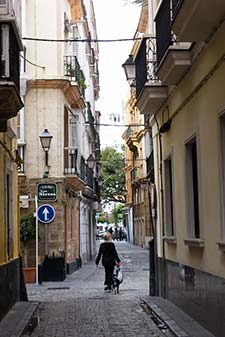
(116, 233)
(110, 230)
(121, 234)
(108, 254)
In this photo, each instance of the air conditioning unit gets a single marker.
(24, 199)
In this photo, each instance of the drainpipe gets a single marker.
(163, 266)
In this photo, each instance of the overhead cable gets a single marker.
(119, 125)
(80, 40)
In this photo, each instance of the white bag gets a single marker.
(119, 274)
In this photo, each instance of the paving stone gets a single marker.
(78, 306)
(84, 310)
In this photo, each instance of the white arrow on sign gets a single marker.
(45, 212)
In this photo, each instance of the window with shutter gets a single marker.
(3, 7)
(4, 50)
(74, 119)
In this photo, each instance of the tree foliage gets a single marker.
(117, 214)
(113, 177)
(27, 228)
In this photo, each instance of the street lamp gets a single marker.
(45, 139)
(91, 162)
(129, 69)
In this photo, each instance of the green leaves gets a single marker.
(27, 228)
(113, 178)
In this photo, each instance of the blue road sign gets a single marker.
(46, 213)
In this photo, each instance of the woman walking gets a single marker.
(109, 255)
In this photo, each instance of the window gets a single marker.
(169, 211)
(20, 126)
(3, 7)
(192, 189)
(4, 50)
(76, 35)
(74, 119)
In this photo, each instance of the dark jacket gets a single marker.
(107, 251)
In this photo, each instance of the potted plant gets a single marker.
(27, 233)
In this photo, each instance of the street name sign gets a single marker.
(46, 213)
(47, 192)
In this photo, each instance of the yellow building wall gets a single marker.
(7, 158)
(200, 117)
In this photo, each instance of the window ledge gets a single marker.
(192, 242)
(221, 245)
(170, 239)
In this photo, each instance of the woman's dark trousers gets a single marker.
(108, 276)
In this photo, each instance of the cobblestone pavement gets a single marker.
(79, 307)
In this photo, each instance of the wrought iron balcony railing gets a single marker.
(164, 35)
(73, 71)
(82, 169)
(89, 177)
(145, 63)
(71, 166)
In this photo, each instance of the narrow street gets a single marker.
(79, 307)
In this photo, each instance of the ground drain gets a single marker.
(160, 324)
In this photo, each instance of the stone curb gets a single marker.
(177, 321)
(19, 319)
(170, 323)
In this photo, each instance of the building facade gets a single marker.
(139, 169)
(181, 59)
(60, 87)
(10, 104)
(138, 217)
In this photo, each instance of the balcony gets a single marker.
(150, 93)
(73, 71)
(10, 101)
(196, 20)
(131, 138)
(173, 58)
(175, 63)
(73, 176)
(77, 173)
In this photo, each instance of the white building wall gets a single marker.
(44, 109)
